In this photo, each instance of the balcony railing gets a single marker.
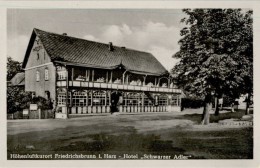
(118, 86)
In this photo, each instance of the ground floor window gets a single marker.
(162, 100)
(99, 98)
(174, 100)
(132, 99)
(147, 101)
(79, 98)
(62, 98)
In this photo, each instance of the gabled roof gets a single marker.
(18, 79)
(80, 52)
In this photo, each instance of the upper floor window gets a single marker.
(61, 72)
(46, 74)
(38, 56)
(37, 76)
(62, 75)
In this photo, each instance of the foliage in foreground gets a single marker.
(18, 99)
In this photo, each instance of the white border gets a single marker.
(255, 5)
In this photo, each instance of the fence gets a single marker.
(35, 114)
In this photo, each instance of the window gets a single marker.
(46, 74)
(162, 100)
(99, 98)
(37, 76)
(174, 100)
(61, 95)
(38, 56)
(62, 98)
(79, 99)
(61, 72)
(62, 75)
(133, 99)
(147, 101)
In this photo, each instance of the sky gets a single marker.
(152, 30)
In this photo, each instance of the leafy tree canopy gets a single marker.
(13, 67)
(216, 51)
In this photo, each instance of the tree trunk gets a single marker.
(216, 106)
(248, 103)
(232, 107)
(206, 115)
(207, 108)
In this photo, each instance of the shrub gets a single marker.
(191, 103)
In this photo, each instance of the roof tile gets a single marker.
(75, 50)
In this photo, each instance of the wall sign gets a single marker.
(25, 111)
(33, 107)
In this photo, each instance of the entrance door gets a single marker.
(115, 96)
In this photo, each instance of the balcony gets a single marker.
(101, 85)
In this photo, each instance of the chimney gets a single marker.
(110, 46)
(64, 34)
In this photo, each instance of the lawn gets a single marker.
(168, 134)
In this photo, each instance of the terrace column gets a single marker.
(144, 80)
(111, 76)
(87, 98)
(105, 98)
(124, 77)
(93, 73)
(86, 75)
(127, 82)
(159, 82)
(109, 97)
(71, 94)
(107, 77)
(72, 74)
(142, 102)
(91, 96)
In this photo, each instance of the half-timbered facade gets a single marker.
(84, 77)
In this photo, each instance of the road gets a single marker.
(153, 133)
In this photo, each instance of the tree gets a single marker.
(13, 67)
(214, 48)
(17, 99)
